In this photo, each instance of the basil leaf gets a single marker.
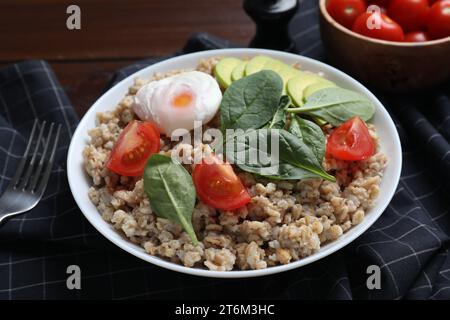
(311, 134)
(336, 105)
(279, 119)
(251, 102)
(253, 152)
(171, 191)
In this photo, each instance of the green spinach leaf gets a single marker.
(171, 191)
(251, 102)
(311, 134)
(336, 105)
(292, 159)
(279, 119)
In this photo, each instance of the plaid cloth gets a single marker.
(409, 242)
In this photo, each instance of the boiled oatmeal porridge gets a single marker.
(225, 215)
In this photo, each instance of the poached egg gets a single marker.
(177, 101)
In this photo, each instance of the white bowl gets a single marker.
(79, 181)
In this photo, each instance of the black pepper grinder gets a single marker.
(272, 19)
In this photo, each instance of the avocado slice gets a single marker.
(223, 70)
(274, 65)
(238, 71)
(285, 71)
(296, 86)
(312, 88)
(256, 64)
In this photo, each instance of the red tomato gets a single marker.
(345, 11)
(218, 186)
(380, 3)
(416, 36)
(379, 26)
(351, 141)
(439, 20)
(410, 14)
(136, 143)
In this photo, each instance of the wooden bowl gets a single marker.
(385, 65)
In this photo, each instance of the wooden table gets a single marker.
(113, 34)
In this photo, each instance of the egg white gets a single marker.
(155, 101)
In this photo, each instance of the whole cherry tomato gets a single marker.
(346, 11)
(351, 141)
(379, 26)
(417, 36)
(410, 14)
(439, 20)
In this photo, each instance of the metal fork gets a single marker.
(30, 180)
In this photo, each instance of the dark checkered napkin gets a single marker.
(410, 241)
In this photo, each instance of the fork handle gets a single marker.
(8, 212)
(3, 217)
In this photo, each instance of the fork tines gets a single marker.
(36, 164)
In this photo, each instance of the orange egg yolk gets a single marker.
(182, 100)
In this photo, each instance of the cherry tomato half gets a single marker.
(136, 143)
(417, 36)
(345, 11)
(351, 141)
(218, 186)
(410, 14)
(439, 20)
(379, 26)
